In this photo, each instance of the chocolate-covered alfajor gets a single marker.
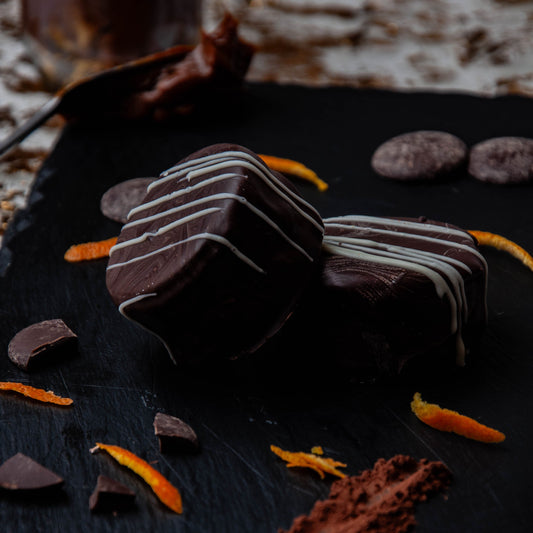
(393, 290)
(214, 260)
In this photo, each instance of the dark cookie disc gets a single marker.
(502, 160)
(120, 199)
(30, 344)
(419, 155)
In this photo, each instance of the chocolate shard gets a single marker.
(174, 434)
(120, 199)
(21, 472)
(29, 345)
(110, 495)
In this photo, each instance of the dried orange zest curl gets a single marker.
(89, 250)
(447, 420)
(294, 168)
(35, 394)
(309, 460)
(163, 489)
(485, 238)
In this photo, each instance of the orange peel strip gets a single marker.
(294, 168)
(89, 250)
(163, 489)
(448, 420)
(40, 395)
(308, 460)
(485, 238)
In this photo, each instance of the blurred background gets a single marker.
(478, 46)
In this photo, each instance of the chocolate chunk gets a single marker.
(29, 345)
(174, 434)
(502, 160)
(110, 495)
(215, 258)
(419, 155)
(21, 472)
(120, 199)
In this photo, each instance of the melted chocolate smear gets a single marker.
(50, 337)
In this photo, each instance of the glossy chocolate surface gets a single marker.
(216, 257)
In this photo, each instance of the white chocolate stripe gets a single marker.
(399, 224)
(220, 160)
(396, 248)
(181, 192)
(208, 236)
(426, 238)
(222, 196)
(429, 260)
(163, 229)
(440, 284)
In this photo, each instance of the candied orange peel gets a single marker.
(317, 450)
(321, 465)
(163, 489)
(486, 238)
(89, 250)
(294, 168)
(447, 420)
(40, 395)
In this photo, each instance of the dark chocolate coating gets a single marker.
(21, 472)
(230, 266)
(419, 155)
(374, 318)
(502, 160)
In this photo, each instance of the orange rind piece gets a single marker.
(163, 489)
(40, 395)
(485, 238)
(447, 420)
(294, 168)
(88, 251)
(321, 465)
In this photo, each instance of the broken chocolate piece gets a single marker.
(110, 495)
(32, 342)
(21, 472)
(174, 434)
(120, 199)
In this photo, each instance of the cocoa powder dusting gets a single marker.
(381, 500)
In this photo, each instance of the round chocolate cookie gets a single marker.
(419, 155)
(391, 291)
(502, 160)
(120, 199)
(215, 258)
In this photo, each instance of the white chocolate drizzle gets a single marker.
(443, 271)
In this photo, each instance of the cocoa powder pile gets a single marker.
(381, 500)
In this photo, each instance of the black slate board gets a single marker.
(121, 376)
